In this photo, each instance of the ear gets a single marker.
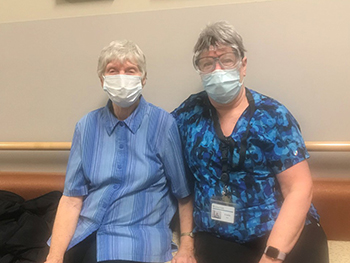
(101, 79)
(144, 80)
(244, 67)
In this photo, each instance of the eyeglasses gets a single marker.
(208, 64)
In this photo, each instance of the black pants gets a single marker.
(85, 252)
(311, 247)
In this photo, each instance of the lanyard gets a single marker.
(228, 144)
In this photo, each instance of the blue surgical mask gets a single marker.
(222, 86)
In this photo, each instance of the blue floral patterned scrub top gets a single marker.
(273, 144)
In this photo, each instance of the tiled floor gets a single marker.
(339, 251)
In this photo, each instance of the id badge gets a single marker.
(222, 211)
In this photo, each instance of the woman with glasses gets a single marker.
(245, 152)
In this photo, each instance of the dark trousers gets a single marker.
(85, 252)
(311, 247)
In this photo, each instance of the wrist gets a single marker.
(187, 249)
(186, 243)
(189, 234)
(55, 256)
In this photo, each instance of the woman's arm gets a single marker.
(186, 250)
(296, 186)
(64, 227)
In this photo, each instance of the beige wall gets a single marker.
(24, 10)
(298, 53)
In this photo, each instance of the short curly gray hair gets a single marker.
(121, 50)
(218, 33)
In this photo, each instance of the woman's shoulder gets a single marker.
(92, 119)
(156, 112)
(161, 119)
(264, 101)
(269, 105)
(92, 115)
(193, 105)
(271, 111)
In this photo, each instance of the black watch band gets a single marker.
(274, 253)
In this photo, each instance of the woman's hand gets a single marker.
(183, 258)
(184, 255)
(53, 260)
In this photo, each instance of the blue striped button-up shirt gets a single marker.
(128, 172)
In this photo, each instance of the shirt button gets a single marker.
(122, 124)
(104, 205)
(115, 186)
(119, 166)
(224, 178)
(121, 146)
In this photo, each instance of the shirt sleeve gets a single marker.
(174, 163)
(288, 144)
(75, 182)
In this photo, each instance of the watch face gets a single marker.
(272, 252)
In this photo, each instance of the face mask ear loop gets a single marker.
(241, 83)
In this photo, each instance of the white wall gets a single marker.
(298, 53)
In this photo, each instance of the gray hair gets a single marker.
(218, 33)
(121, 50)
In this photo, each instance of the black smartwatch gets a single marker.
(274, 253)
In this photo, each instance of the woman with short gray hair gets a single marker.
(124, 174)
(248, 160)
